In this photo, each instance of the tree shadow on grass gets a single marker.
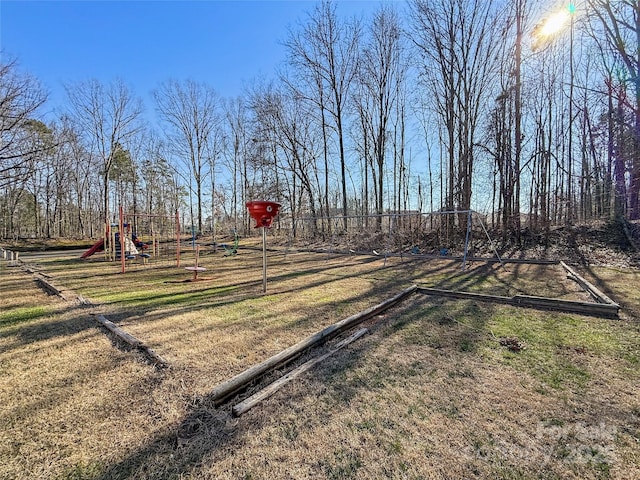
(206, 429)
(179, 449)
(32, 328)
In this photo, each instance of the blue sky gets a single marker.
(228, 44)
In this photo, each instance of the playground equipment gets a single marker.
(196, 268)
(99, 245)
(233, 249)
(427, 235)
(263, 213)
(161, 239)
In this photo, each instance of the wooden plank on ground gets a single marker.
(240, 381)
(131, 340)
(49, 287)
(588, 286)
(266, 392)
(570, 306)
(465, 295)
(120, 333)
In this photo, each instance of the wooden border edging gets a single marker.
(266, 392)
(570, 306)
(240, 381)
(589, 287)
(48, 287)
(131, 340)
(465, 295)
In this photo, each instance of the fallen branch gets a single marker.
(240, 381)
(266, 392)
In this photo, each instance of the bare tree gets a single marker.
(237, 151)
(20, 98)
(288, 127)
(457, 41)
(75, 180)
(326, 50)
(108, 115)
(189, 109)
(381, 76)
(620, 25)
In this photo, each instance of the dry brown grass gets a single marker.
(430, 393)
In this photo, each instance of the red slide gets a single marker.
(96, 246)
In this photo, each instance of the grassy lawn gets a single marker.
(429, 393)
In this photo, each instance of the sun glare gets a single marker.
(555, 23)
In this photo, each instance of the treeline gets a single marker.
(444, 105)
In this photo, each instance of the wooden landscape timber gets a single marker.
(132, 341)
(266, 392)
(224, 390)
(605, 308)
(48, 286)
(587, 286)
(585, 308)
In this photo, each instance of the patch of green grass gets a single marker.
(466, 344)
(515, 473)
(553, 422)
(555, 344)
(414, 369)
(602, 469)
(290, 431)
(632, 357)
(394, 447)
(160, 298)
(543, 363)
(449, 409)
(22, 315)
(483, 444)
(367, 425)
(461, 373)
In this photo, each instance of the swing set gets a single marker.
(428, 235)
(161, 241)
